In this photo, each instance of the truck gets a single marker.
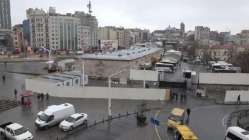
(53, 115)
(15, 131)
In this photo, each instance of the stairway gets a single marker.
(7, 104)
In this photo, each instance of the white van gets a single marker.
(53, 115)
(236, 133)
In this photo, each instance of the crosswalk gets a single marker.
(7, 104)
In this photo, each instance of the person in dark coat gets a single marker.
(15, 93)
(22, 100)
(47, 96)
(42, 96)
(188, 111)
(3, 78)
(238, 99)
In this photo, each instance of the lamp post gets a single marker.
(109, 85)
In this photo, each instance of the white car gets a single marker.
(15, 131)
(73, 121)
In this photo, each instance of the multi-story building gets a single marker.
(225, 37)
(38, 28)
(62, 32)
(5, 17)
(107, 33)
(5, 25)
(18, 37)
(202, 35)
(26, 31)
(84, 38)
(220, 52)
(244, 36)
(123, 36)
(92, 22)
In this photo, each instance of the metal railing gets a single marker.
(102, 121)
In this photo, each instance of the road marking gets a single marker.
(224, 119)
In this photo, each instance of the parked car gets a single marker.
(73, 121)
(15, 131)
(53, 115)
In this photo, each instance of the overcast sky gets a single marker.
(221, 15)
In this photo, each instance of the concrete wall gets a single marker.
(232, 96)
(221, 89)
(95, 92)
(104, 68)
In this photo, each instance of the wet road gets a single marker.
(206, 117)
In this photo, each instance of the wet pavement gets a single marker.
(207, 119)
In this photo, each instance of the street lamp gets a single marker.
(109, 85)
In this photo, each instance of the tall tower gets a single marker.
(5, 19)
(182, 29)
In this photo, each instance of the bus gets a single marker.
(164, 67)
(183, 132)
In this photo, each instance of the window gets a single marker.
(232, 136)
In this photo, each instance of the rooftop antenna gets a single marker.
(89, 6)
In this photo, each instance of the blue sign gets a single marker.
(155, 121)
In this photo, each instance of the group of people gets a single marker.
(174, 96)
(41, 96)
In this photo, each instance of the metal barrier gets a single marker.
(102, 121)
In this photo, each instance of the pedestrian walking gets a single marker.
(47, 96)
(188, 113)
(176, 96)
(184, 97)
(38, 96)
(3, 78)
(238, 100)
(22, 100)
(181, 97)
(15, 93)
(29, 103)
(42, 96)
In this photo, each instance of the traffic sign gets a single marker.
(155, 121)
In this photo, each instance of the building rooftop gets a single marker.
(122, 55)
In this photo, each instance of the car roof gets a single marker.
(54, 108)
(186, 132)
(14, 126)
(177, 112)
(76, 115)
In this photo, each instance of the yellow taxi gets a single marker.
(183, 132)
(176, 117)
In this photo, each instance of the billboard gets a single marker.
(108, 44)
